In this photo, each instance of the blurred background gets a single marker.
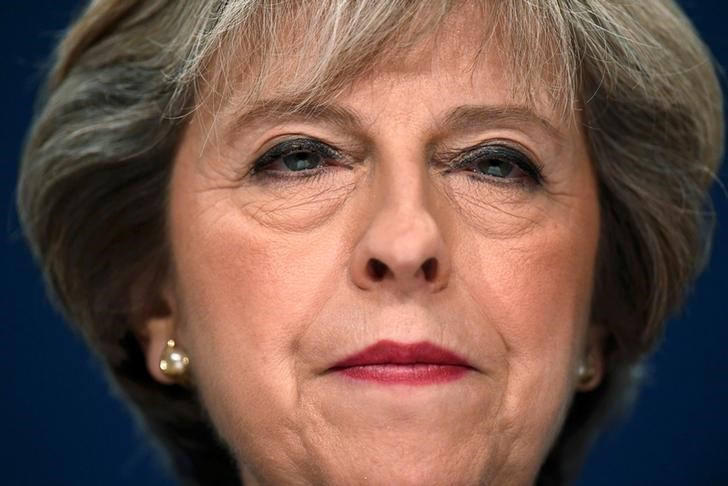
(60, 425)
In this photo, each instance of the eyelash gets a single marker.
(290, 147)
(460, 160)
(499, 151)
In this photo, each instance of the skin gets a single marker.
(272, 283)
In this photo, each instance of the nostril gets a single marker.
(376, 269)
(430, 269)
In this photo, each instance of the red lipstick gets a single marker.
(389, 362)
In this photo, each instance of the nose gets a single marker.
(402, 248)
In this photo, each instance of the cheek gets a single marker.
(535, 264)
(241, 291)
(246, 301)
(253, 273)
(535, 290)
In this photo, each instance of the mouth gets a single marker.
(389, 362)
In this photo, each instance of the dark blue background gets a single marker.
(60, 425)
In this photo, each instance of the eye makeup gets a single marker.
(499, 162)
(295, 160)
(304, 159)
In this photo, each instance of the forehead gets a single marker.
(303, 60)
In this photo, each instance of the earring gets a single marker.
(586, 370)
(174, 362)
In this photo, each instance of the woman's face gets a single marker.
(425, 217)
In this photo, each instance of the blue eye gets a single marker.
(301, 160)
(500, 162)
(301, 157)
(497, 168)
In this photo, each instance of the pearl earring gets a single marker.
(586, 370)
(174, 362)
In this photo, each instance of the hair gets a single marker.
(129, 74)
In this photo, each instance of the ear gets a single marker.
(592, 359)
(154, 329)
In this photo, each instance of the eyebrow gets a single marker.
(461, 118)
(476, 117)
(289, 109)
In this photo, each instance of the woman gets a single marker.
(374, 242)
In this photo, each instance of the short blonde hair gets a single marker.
(129, 74)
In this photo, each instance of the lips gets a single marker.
(389, 362)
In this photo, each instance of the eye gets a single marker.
(301, 160)
(497, 168)
(500, 163)
(295, 158)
